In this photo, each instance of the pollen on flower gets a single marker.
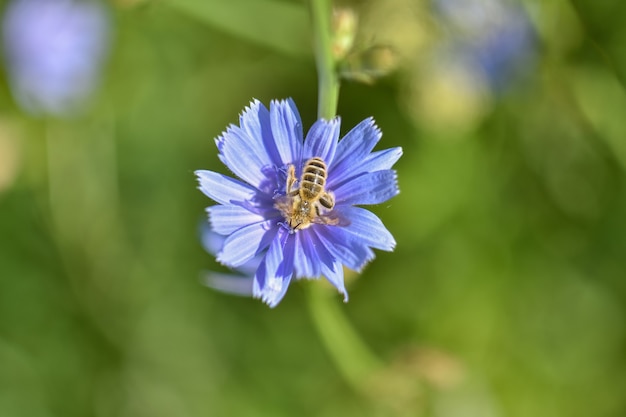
(302, 221)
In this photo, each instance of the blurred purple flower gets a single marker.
(494, 37)
(261, 216)
(54, 51)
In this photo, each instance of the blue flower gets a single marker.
(238, 283)
(495, 37)
(54, 51)
(299, 225)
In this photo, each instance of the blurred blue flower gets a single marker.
(494, 36)
(299, 227)
(54, 51)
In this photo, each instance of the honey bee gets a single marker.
(307, 203)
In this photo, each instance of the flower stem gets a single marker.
(353, 358)
(328, 89)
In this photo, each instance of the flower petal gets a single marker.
(255, 121)
(243, 154)
(259, 151)
(367, 228)
(334, 275)
(274, 275)
(213, 242)
(370, 188)
(225, 219)
(344, 247)
(247, 242)
(307, 260)
(286, 129)
(381, 160)
(330, 267)
(224, 189)
(321, 140)
(375, 161)
(352, 150)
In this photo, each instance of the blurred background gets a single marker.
(506, 294)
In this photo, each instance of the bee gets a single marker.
(307, 203)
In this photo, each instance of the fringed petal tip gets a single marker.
(254, 103)
(335, 120)
(272, 292)
(283, 102)
(345, 295)
(369, 123)
(339, 286)
(395, 182)
(252, 117)
(367, 130)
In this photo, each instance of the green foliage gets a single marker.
(277, 25)
(505, 296)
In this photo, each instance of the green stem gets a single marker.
(353, 358)
(351, 355)
(328, 89)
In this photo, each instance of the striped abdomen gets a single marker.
(313, 179)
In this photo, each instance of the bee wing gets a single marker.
(331, 218)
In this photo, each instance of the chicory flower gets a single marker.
(54, 51)
(495, 37)
(299, 225)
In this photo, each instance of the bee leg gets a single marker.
(327, 200)
(291, 180)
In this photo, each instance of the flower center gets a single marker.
(306, 200)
